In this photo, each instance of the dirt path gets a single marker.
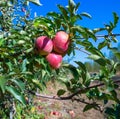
(65, 109)
(54, 109)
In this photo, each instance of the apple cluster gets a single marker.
(53, 49)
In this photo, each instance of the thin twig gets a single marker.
(73, 98)
(94, 104)
(103, 36)
(117, 34)
(72, 95)
(80, 49)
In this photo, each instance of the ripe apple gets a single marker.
(54, 60)
(61, 42)
(44, 45)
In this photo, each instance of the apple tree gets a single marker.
(32, 52)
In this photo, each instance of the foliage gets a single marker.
(113, 112)
(28, 112)
(22, 69)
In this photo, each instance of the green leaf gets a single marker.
(98, 30)
(24, 63)
(19, 83)
(90, 33)
(1, 41)
(114, 39)
(74, 18)
(78, 29)
(111, 24)
(74, 71)
(85, 43)
(88, 107)
(116, 18)
(95, 51)
(16, 94)
(3, 81)
(117, 54)
(53, 14)
(81, 65)
(37, 83)
(29, 50)
(86, 15)
(77, 5)
(114, 94)
(61, 92)
(9, 64)
(102, 44)
(72, 4)
(64, 12)
(72, 7)
(37, 2)
(98, 59)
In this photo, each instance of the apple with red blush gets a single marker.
(61, 42)
(54, 60)
(44, 45)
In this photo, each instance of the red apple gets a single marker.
(44, 45)
(72, 113)
(61, 42)
(54, 60)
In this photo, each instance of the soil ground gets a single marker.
(63, 109)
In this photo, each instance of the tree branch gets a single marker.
(72, 95)
(103, 36)
(80, 49)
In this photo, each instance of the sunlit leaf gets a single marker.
(114, 39)
(72, 6)
(37, 83)
(98, 30)
(78, 29)
(77, 6)
(91, 34)
(53, 15)
(86, 15)
(81, 65)
(95, 51)
(64, 12)
(98, 59)
(24, 63)
(102, 44)
(37, 2)
(1, 41)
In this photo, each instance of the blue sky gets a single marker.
(100, 10)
